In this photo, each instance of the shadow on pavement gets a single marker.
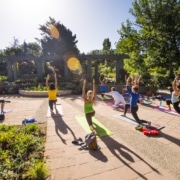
(62, 127)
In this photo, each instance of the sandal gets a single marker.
(78, 142)
(84, 147)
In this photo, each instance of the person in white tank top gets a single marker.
(175, 94)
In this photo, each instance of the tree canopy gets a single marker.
(57, 46)
(153, 40)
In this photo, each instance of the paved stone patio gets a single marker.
(126, 155)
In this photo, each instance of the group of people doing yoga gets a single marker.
(132, 87)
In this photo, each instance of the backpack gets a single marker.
(91, 141)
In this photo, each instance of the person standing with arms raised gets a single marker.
(52, 92)
(89, 99)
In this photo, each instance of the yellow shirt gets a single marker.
(52, 94)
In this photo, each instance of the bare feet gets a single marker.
(149, 123)
(94, 130)
(52, 113)
(123, 115)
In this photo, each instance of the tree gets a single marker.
(24, 67)
(153, 41)
(63, 46)
(106, 45)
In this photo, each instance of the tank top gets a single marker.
(174, 97)
(52, 94)
(88, 108)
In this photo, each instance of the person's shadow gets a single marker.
(170, 138)
(122, 152)
(62, 127)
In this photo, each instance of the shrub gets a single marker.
(22, 152)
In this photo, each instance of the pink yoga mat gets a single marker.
(110, 103)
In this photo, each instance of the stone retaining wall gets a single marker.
(43, 93)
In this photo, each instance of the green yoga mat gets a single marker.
(101, 129)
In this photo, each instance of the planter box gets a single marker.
(43, 93)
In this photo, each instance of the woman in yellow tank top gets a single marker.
(52, 92)
(88, 104)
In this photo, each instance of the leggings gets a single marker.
(89, 117)
(51, 102)
(175, 105)
(134, 110)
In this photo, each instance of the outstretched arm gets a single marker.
(47, 79)
(84, 89)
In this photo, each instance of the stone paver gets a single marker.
(126, 155)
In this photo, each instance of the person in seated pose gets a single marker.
(52, 92)
(89, 99)
(118, 98)
(134, 97)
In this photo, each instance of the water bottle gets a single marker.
(160, 103)
(153, 97)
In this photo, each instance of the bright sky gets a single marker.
(91, 20)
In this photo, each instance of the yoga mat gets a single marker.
(6, 111)
(166, 110)
(131, 120)
(166, 96)
(120, 108)
(101, 129)
(105, 97)
(146, 102)
(57, 112)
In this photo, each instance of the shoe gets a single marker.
(139, 127)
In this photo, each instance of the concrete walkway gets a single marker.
(126, 155)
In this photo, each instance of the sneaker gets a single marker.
(139, 127)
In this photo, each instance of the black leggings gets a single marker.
(89, 117)
(134, 113)
(51, 102)
(175, 105)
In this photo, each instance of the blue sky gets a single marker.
(91, 20)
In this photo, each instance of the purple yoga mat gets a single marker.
(164, 109)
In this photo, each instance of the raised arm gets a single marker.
(174, 85)
(47, 79)
(94, 89)
(128, 81)
(100, 80)
(84, 89)
(138, 80)
(55, 79)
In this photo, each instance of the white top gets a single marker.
(115, 94)
(174, 97)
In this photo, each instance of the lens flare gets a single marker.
(73, 64)
(54, 31)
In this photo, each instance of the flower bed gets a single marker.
(43, 93)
